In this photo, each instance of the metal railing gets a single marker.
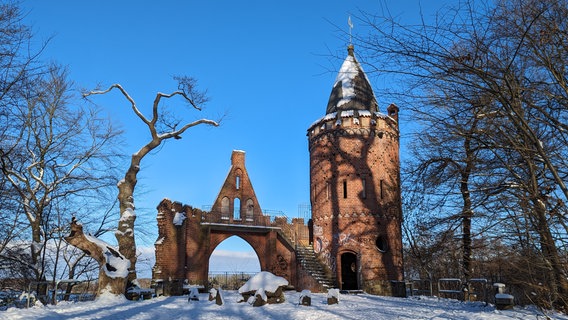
(268, 217)
(476, 289)
(229, 280)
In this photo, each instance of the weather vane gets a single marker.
(350, 29)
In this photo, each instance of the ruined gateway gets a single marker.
(353, 240)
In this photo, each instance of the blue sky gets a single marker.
(268, 67)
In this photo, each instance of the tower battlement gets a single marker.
(355, 185)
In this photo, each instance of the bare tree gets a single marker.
(501, 68)
(58, 153)
(17, 64)
(161, 126)
(18, 61)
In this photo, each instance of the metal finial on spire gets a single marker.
(350, 29)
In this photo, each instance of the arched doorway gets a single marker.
(349, 270)
(234, 255)
(232, 263)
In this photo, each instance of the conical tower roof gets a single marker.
(351, 90)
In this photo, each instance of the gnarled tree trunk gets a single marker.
(113, 266)
(119, 281)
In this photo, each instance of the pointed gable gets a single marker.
(237, 191)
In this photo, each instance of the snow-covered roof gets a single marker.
(351, 90)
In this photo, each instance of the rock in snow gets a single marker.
(263, 280)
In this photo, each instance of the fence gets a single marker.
(229, 280)
(48, 292)
(476, 289)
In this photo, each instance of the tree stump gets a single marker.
(113, 266)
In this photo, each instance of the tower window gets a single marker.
(381, 189)
(344, 189)
(327, 190)
(364, 191)
(382, 244)
(238, 182)
(314, 192)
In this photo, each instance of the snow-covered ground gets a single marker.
(360, 306)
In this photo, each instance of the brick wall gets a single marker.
(355, 195)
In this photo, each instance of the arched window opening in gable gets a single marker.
(250, 210)
(236, 209)
(225, 208)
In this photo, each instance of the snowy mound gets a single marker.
(263, 280)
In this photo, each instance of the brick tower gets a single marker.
(355, 186)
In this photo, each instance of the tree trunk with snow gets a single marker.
(114, 266)
(125, 231)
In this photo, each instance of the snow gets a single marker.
(262, 293)
(333, 293)
(194, 293)
(349, 69)
(178, 218)
(503, 296)
(213, 292)
(127, 214)
(263, 280)
(345, 114)
(361, 306)
(113, 258)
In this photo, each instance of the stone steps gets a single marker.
(308, 260)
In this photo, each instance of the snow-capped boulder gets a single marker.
(333, 296)
(264, 287)
(305, 298)
(215, 294)
(193, 294)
